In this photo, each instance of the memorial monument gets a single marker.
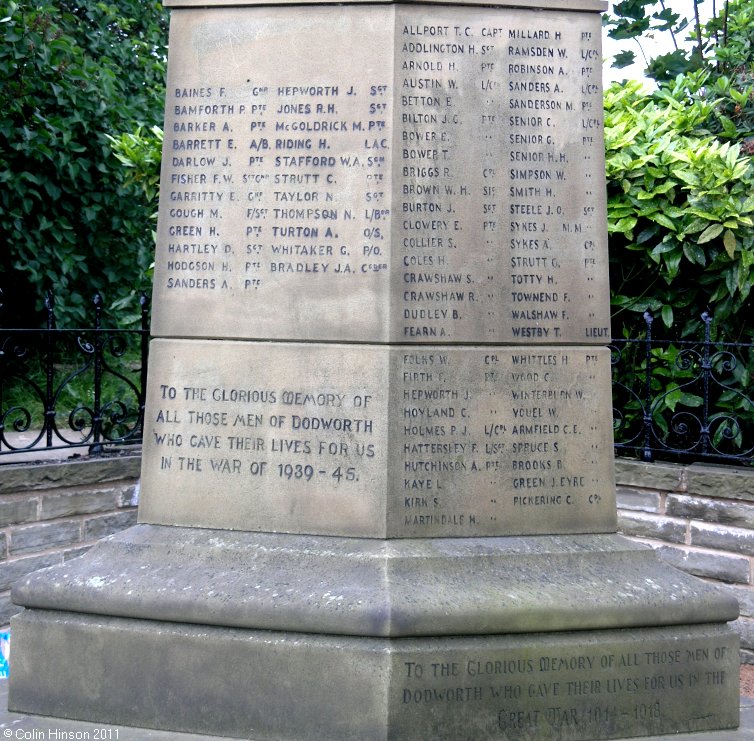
(377, 489)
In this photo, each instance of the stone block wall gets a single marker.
(54, 511)
(700, 518)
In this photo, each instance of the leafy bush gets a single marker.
(140, 153)
(680, 210)
(71, 72)
(723, 48)
(681, 242)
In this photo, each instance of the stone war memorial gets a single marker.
(377, 482)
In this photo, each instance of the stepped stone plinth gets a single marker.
(377, 482)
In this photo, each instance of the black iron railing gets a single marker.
(685, 400)
(72, 388)
(673, 400)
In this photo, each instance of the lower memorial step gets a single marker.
(376, 588)
(260, 684)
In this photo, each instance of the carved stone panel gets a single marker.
(378, 441)
(376, 176)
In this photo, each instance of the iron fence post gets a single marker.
(647, 402)
(96, 446)
(49, 414)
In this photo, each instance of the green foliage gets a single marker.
(680, 210)
(694, 400)
(631, 20)
(730, 38)
(681, 241)
(724, 46)
(72, 72)
(140, 153)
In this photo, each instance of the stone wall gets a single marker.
(51, 512)
(701, 519)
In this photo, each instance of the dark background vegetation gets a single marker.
(72, 72)
(81, 99)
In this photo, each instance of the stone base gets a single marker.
(401, 588)
(263, 684)
(258, 635)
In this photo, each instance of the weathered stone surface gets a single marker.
(564, 686)
(712, 565)
(72, 553)
(745, 629)
(720, 537)
(731, 483)
(129, 496)
(338, 180)
(745, 597)
(99, 527)
(710, 510)
(657, 476)
(44, 535)
(641, 525)
(69, 503)
(378, 441)
(45, 475)
(356, 170)
(350, 586)
(7, 609)
(14, 510)
(12, 571)
(645, 501)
